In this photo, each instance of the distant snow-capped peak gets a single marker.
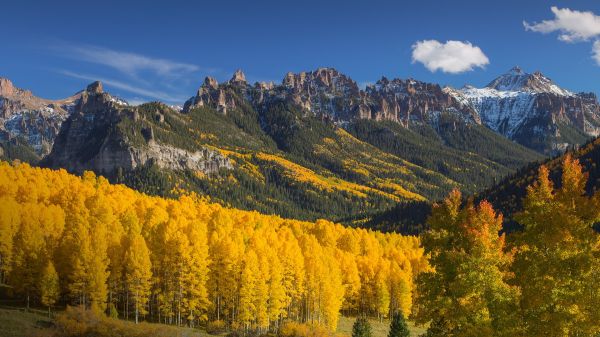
(518, 80)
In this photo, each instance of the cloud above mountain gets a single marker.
(573, 25)
(451, 57)
(147, 76)
(131, 64)
(150, 93)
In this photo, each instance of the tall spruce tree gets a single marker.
(398, 327)
(361, 328)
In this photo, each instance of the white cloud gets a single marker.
(451, 57)
(596, 52)
(573, 25)
(128, 63)
(155, 94)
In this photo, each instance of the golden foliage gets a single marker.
(190, 261)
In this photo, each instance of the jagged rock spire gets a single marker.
(238, 77)
(95, 88)
(6, 87)
(210, 82)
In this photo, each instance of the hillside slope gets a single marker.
(275, 156)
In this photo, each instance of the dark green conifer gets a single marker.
(398, 327)
(361, 328)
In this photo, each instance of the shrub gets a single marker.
(216, 327)
(295, 329)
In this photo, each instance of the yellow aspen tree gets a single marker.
(138, 272)
(225, 250)
(331, 290)
(401, 288)
(554, 261)
(97, 267)
(467, 294)
(292, 262)
(28, 252)
(276, 302)
(9, 224)
(381, 290)
(315, 272)
(196, 293)
(350, 280)
(48, 287)
(262, 283)
(247, 294)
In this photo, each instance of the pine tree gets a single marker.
(361, 328)
(398, 327)
(48, 287)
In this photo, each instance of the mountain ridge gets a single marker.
(313, 146)
(261, 147)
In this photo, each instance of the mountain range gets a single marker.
(315, 145)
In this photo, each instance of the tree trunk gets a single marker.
(136, 307)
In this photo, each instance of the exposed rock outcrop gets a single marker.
(91, 139)
(34, 119)
(326, 92)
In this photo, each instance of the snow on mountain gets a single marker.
(531, 109)
(501, 111)
(518, 80)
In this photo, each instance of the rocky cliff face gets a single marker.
(34, 119)
(328, 93)
(533, 110)
(91, 139)
(409, 100)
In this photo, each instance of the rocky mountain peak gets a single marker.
(210, 82)
(265, 85)
(518, 80)
(6, 87)
(95, 88)
(320, 80)
(238, 77)
(516, 70)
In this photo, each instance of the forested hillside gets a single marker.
(272, 154)
(82, 241)
(507, 196)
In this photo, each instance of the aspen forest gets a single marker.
(69, 241)
(81, 241)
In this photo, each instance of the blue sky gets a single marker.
(145, 51)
